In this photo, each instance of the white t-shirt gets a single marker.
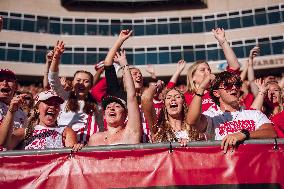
(221, 123)
(83, 124)
(45, 137)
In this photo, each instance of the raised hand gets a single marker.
(150, 69)
(206, 81)
(16, 102)
(219, 34)
(124, 34)
(262, 86)
(49, 56)
(58, 50)
(99, 66)
(120, 58)
(254, 52)
(181, 65)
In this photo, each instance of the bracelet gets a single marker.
(200, 95)
(246, 132)
(12, 111)
(222, 42)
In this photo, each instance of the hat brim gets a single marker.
(109, 99)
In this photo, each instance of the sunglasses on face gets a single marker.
(229, 85)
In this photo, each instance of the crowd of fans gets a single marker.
(231, 106)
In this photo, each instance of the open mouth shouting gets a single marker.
(5, 90)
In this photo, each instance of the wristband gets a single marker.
(200, 95)
(246, 132)
(222, 42)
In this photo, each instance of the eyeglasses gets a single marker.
(229, 85)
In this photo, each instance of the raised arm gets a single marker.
(133, 126)
(259, 99)
(148, 105)
(53, 78)
(180, 67)
(99, 70)
(48, 60)
(194, 115)
(151, 70)
(219, 34)
(124, 34)
(6, 128)
(253, 53)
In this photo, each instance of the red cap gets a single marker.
(8, 72)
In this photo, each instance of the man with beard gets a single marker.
(227, 121)
(10, 113)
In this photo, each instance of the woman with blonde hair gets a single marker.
(170, 124)
(197, 71)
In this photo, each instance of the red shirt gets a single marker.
(278, 121)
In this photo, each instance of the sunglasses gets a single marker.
(229, 85)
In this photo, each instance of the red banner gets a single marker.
(250, 166)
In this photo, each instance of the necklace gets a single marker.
(107, 137)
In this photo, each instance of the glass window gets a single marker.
(260, 19)
(27, 56)
(102, 56)
(79, 58)
(15, 24)
(188, 56)
(247, 49)
(186, 27)
(79, 29)
(67, 28)
(40, 56)
(139, 30)
(239, 51)
(235, 22)
(163, 29)
(126, 27)
(209, 25)
(42, 25)
(151, 29)
(274, 17)
(265, 49)
(221, 54)
(174, 28)
(139, 58)
(198, 27)
(29, 25)
(200, 54)
(91, 29)
(247, 21)
(2, 53)
(164, 58)
(152, 58)
(54, 27)
(212, 54)
(92, 58)
(6, 20)
(103, 29)
(278, 47)
(13, 54)
(115, 29)
(129, 57)
(222, 23)
(176, 56)
(66, 58)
